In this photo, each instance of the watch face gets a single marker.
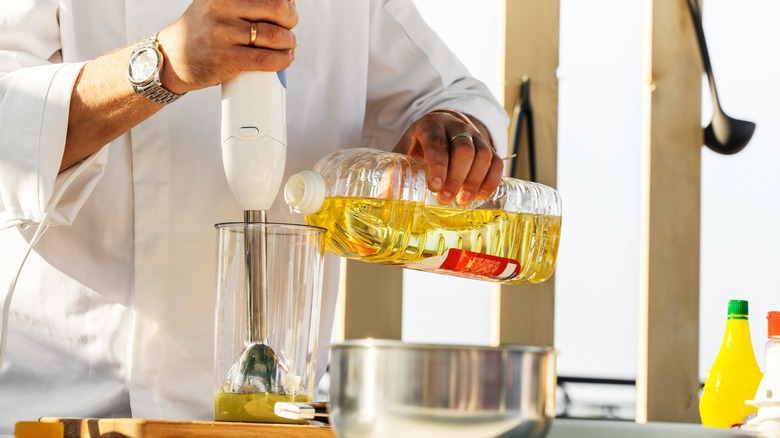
(143, 65)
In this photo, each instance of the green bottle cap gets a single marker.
(738, 309)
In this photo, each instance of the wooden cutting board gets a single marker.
(138, 428)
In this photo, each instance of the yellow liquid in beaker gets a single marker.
(362, 228)
(255, 407)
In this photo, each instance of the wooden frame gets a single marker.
(668, 362)
(531, 50)
(667, 374)
(372, 308)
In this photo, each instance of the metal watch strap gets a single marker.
(159, 94)
(156, 91)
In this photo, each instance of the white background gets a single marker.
(599, 141)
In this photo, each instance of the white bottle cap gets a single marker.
(305, 192)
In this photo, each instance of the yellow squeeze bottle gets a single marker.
(734, 375)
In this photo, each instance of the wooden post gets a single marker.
(668, 365)
(373, 300)
(526, 312)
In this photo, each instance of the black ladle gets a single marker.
(724, 134)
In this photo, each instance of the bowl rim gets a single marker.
(391, 344)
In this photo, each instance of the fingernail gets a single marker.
(445, 197)
(436, 183)
(464, 198)
(483, 194)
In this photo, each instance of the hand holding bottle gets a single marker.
(463, 165)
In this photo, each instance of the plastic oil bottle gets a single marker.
(376, 207)
(734, 376)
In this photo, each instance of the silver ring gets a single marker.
(461, 134)
(253, 34)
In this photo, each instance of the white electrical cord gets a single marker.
(42, 227)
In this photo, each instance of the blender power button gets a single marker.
(248, 131)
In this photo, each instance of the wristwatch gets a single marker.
(143, 71)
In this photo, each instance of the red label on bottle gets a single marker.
(469, 262)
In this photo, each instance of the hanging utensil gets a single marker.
(523, 112)
(724, 134)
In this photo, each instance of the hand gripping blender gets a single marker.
(254, 143)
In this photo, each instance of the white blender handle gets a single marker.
(254, 137)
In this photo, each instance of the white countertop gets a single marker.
(563, 428)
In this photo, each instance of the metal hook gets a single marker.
(524, 112)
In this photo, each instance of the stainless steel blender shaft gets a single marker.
(256, 276)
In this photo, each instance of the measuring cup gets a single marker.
(294, 260)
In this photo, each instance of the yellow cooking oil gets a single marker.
(401, 232)
(255, 407)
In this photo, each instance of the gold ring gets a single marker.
(461, 134)
(252, 34)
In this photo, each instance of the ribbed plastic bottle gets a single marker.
(734, 376)
(772, 350)
(767, 398)
(376, 207)
(770, 385)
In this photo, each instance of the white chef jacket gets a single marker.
(113, 314)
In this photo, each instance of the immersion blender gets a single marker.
(254, 146)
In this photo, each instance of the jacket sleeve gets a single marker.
(412, 72)
(35, 91)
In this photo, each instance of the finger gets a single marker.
(266, 35)
(492, 178)
(434, 145)
(281, 12)
(258, 59)
(483, 159)
(461, 157)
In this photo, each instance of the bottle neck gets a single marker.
(737, 326)
(772, 353)
(737, 337)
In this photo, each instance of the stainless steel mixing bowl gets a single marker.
(393, 389)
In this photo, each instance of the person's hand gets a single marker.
(458, 150)
(210, 42)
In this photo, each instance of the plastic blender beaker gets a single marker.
(293, 265)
